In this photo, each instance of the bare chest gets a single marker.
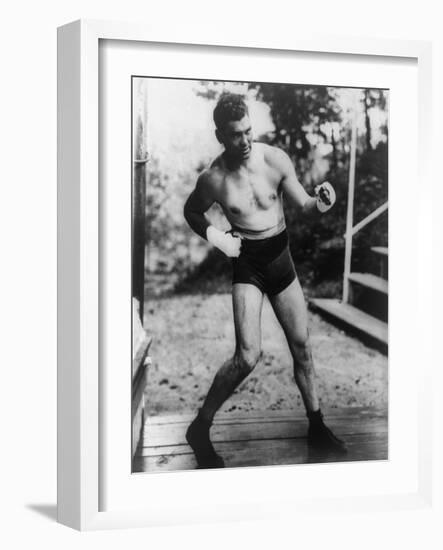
(249, 191)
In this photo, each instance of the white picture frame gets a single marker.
(79, 326)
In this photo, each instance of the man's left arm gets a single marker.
(324, 194)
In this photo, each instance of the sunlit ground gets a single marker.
(193, 335)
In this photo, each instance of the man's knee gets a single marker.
(301, 348)
(246, 359)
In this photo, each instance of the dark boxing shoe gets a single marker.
(321, 438)
(197, 435)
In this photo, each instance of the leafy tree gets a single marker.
(298, 112)
(308, 120)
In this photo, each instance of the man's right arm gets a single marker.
(199, 201)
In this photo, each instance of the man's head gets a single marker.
(233, 127)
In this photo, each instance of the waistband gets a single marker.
(253, 235)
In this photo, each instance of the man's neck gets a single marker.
(234, 163)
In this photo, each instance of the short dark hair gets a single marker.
(229, 107)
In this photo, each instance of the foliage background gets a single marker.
(313, 125)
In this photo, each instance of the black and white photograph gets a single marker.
(259, 274)
(222, 249)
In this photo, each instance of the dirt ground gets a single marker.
(193, 335)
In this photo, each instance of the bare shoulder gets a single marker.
(208, 180)
(274, 155)
(276, 158)
(216, 166)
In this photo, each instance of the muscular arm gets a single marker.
(292, 188)
(199, 201)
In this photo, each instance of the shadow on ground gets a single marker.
(48, 511)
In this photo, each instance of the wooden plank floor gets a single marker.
(262, 439)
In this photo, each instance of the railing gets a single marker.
(352, 229)
(375, 214)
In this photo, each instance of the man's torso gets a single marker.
(250, 195)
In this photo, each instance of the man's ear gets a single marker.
(219, 136)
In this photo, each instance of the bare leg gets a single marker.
(291, 311)
(247, 304)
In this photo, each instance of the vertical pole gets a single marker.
(140, 155)
(350, 209)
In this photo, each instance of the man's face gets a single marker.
(236, 137)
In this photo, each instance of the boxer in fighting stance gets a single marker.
(248, 180)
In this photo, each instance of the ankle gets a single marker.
(315, 417)
(203, 418)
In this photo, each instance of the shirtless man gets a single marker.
(248, 181)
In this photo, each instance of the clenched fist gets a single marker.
(225, 242)
(325, 196)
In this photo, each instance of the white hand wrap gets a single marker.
(325, 203)
(225, 242)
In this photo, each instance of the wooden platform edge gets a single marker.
(330, 309)
(369, 280)
(139, 378)
(140, 355)
(382, 250)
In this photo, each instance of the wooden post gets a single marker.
(350, 209)
(140, 339)
(140, 158)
